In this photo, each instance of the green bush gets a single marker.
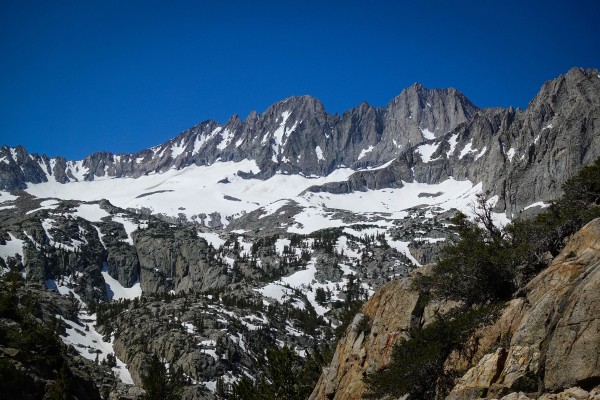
(476, 268)
(486, 262)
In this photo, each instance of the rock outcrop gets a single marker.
(176, 259)
(545, 342)
(368, 341)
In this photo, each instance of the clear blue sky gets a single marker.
(122, 75)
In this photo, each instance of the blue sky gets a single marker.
(83, 76)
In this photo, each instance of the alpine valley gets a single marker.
(278, 252)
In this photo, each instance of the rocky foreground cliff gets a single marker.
(545, 343)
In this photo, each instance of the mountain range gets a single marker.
(263, 231)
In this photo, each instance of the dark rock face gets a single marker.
(121, 260)
(176, 259)
(295, 135)
(17, 168)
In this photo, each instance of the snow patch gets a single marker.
(13, 154)
(116, 291)
(91, 212)
(128, 225)
(280, 245)
(201, 140)
(540, 204)
(312, 218)
(426, 151)
(272, 208)
(45, 205)
(13, 246)
(382, 166)
(364, 152)
(319, 153)
(427, 134)
(6, 196)
(466, 150)
(226, 138)
(401, 247)
(481, 153)
(281, 134)
(177, 149)
(452, 142)
(303, 280)
(82, 334)
(212, 238)
(89, 343)
(510, 154)
(77, 169)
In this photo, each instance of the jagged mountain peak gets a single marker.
(252, 117)
(364, 105)
(423, 93)
(304, 105)
(418, 114)
(300, 99)
(578, 84)
(418, 95)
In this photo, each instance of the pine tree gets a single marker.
(157, 383)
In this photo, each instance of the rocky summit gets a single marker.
(302, 241)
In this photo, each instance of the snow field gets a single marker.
(177, 191)
(454, 194)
